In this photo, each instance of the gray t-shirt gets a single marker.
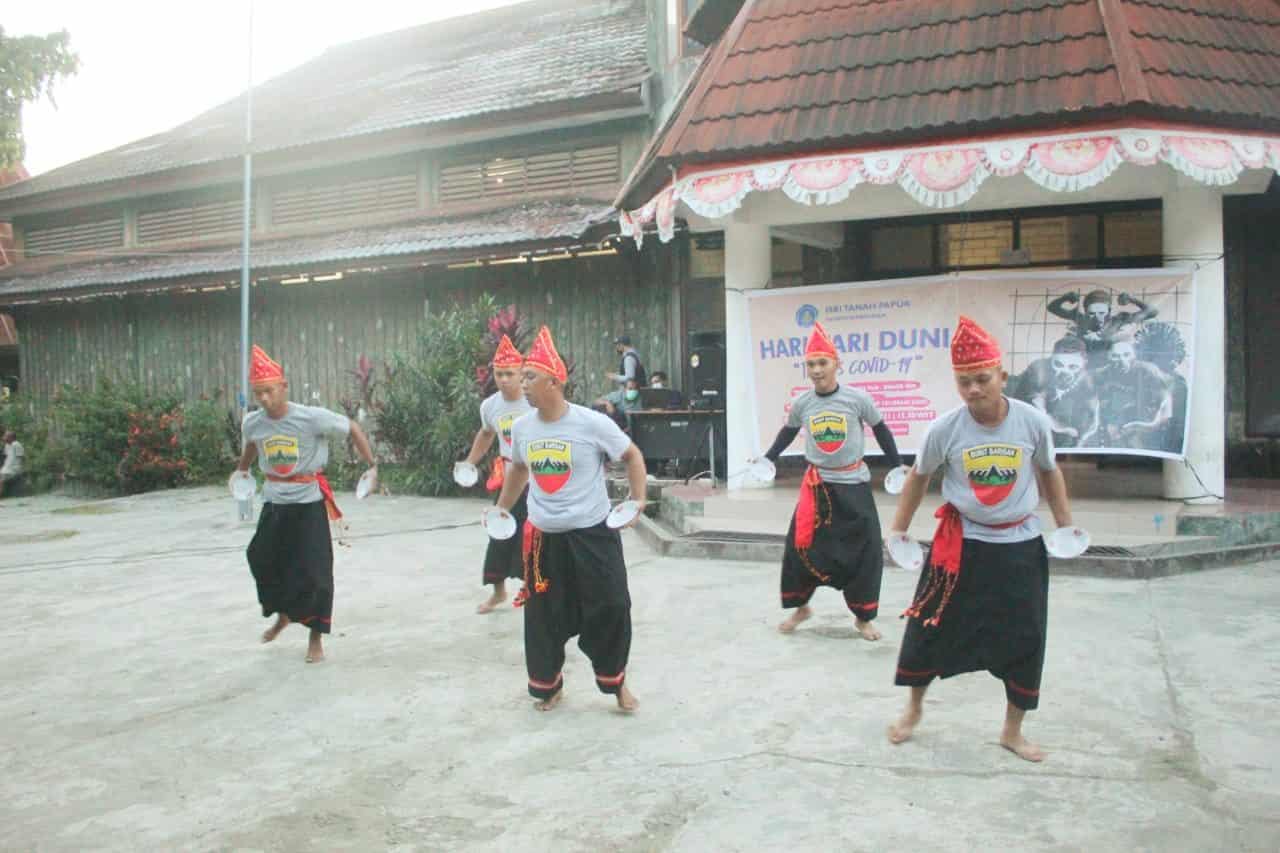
(498, 414)
(13, 454)
(833, 434)
(566, 466)
(989, 475)
(296, 444)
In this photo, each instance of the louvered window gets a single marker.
(534, 174)
(190, 222)
(345, 200)
(82, 237)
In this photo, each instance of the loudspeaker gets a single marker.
(706, 370)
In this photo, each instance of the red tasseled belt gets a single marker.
(330, 505)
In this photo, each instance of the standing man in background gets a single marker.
(630, 367)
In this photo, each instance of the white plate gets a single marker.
(896, 479)
(763, 470)
(242, 485)
(499, 524)
(906, 552)
(365, 484)
(465, 474)
(1067, 542)
(622, 514)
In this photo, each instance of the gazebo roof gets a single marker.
(793, 78)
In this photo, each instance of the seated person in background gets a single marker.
(616, 404)
(659, 394)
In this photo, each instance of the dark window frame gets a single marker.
(863, 230)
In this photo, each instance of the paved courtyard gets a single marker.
(139, 712)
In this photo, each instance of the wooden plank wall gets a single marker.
(188, 342)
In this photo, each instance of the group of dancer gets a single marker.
(981, 602)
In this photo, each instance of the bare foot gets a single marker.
(800, 615)
(901, 731)
(626, 701)
(315, 651)
(271, 633)
(1021, 747)
(492, 602)
(866, 629)
(550, 703)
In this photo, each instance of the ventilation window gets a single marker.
(191, 222)
(501, 178)
(345, 200)
(82, 237)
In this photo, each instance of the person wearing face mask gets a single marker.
(834, 538)
(657, 379)
(619, 404)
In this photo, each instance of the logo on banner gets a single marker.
(282, 454)
(551, 463)
(992, 470)
(504, 427)
(829, 431)
(806, 316)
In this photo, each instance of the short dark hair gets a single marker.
(1070, 344)
(656, 374)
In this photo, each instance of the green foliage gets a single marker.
(153, 458)
(427, 415)
(29, 65)
(43, 460)
(210, 440)
(95, 427)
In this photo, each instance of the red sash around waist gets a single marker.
(330, 504)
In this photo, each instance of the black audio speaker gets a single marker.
(706, 370)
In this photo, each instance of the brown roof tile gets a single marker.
(541, 224)
(806, 76)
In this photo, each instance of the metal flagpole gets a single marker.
(245, 229)
(246, 506)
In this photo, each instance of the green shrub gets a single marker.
(210, 440)
(43, 460)
(95, 425)
(428, 412)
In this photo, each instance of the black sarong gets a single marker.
(502, 558)
(291, 558)
(586, 596)
(996, 620)
(847, 552)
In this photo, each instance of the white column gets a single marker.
(1192, 220)
(748, 264)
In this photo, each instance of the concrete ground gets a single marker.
(139, 712)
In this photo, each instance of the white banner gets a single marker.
(1106, 353)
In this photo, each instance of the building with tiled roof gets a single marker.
(390, 176)
(881, 139)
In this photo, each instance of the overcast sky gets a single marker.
(148, 65)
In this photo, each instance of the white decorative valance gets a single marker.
(947, 176)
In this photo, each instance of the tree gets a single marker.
(29, 65)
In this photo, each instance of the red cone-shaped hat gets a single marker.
(820, 343)
(973, 348)
(262, 370)
(543, 356)
(507, 356)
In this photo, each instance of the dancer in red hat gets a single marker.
(834, 538)
(498, 413)
(982, 600)
(575, 575)
(291, 555)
